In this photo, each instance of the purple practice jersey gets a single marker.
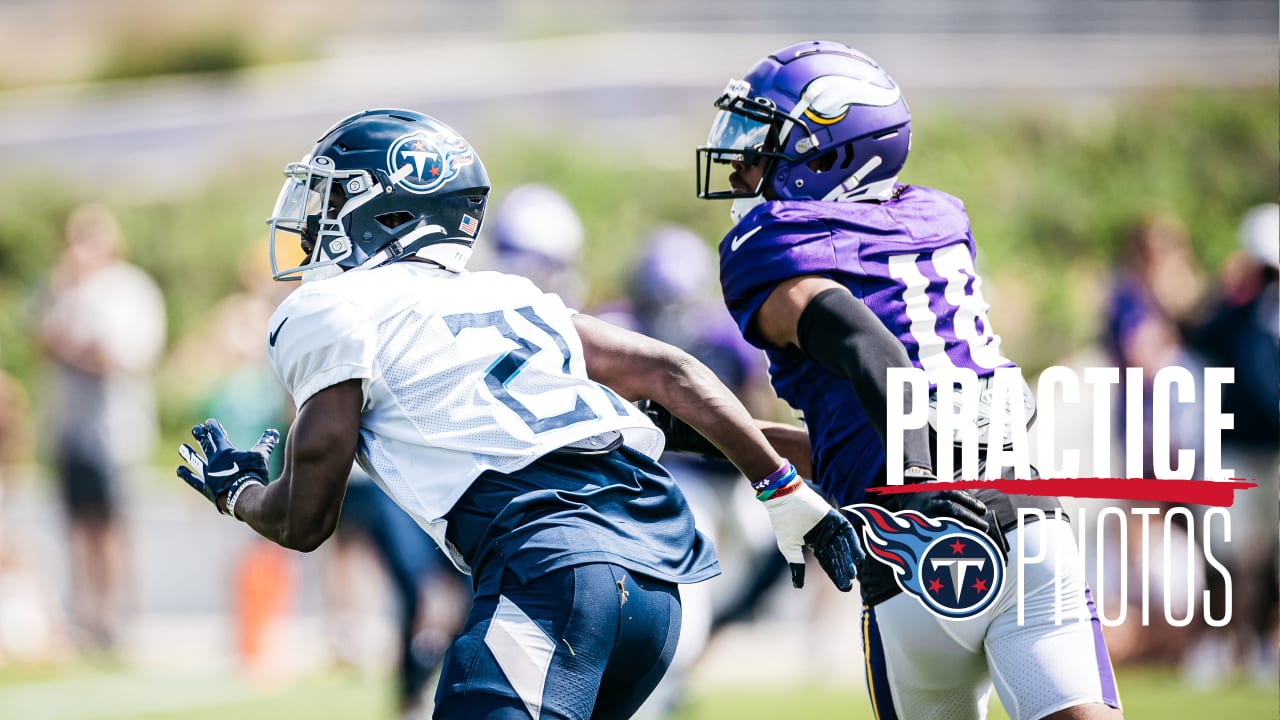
(910, 259)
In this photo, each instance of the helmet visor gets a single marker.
(732, 132)
(302, 195)
(742, 131)
(302, 210)
(735, 139)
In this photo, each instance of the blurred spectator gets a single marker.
(1153, 292)
(102, 328)
(672, 296)
(1241, 330)
(536, 233)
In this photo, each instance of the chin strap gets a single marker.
(394, 249)
(319, 273)
(389, 252)
(741, 206)
(852, 189)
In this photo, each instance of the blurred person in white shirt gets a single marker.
(102, 326)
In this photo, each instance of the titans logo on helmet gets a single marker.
(421, 163)
(953, 569)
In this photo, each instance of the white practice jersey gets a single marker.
(461, 372)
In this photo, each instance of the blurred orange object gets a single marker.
(265, 588)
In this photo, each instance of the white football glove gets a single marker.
(803, 519)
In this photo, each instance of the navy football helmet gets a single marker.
(381, 185)
(827, 122)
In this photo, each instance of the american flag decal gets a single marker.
(469, 225)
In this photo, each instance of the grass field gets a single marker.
(82, 693)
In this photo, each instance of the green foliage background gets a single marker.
(1049, 195)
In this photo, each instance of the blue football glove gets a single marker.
(802, 519)
(221, 468)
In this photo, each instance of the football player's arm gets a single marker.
(791, 442)
(826, 322)
(300, 509)
(637, 367)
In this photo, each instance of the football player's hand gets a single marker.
(802, 519)
(218, 468)
(955, 504)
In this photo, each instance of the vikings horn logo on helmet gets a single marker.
(421, 162)
(829, 97)
(954, 570)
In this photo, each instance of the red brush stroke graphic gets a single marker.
(1218, 493)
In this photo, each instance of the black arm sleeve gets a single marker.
(845, 337)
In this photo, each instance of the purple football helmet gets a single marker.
(537, 234)
(534, 219)
(676, 269)
(826, 120)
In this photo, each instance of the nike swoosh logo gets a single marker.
(235, 467)
(737, 242)
(271, 337)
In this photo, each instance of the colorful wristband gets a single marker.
(785, 490)
(768, 486)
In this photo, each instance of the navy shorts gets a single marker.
(589, 641)
(88, 487)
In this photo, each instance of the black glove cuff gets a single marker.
(681, 437)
